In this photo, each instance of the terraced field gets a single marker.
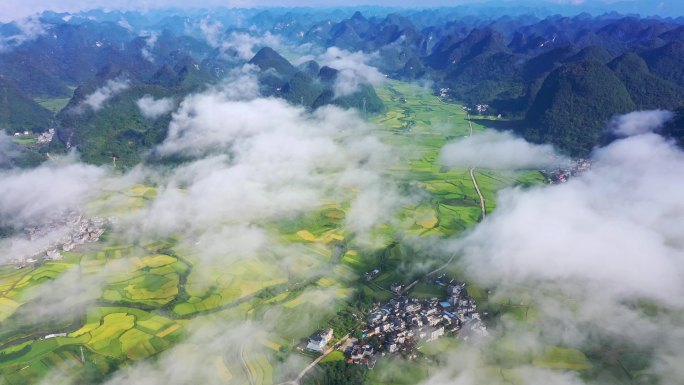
(154, 290)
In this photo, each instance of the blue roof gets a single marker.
(445, 304)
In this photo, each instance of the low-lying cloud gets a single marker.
(30, 196)
(152, 108)
(639, 122)
(498, 150)
(150, 42)
(97, 100)
(244, 45)
(353, 68)
(29, 28)
(585, 256)
(614, 227)
(9, 150)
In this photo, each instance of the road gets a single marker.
(472, 175)
(245, 368)
(477, 188)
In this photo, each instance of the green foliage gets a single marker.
(20, 113)
(647, 90)
(119, 129)
(8, 356)
(336, 373)
(574, 104)
(675, 128)
(667, 62)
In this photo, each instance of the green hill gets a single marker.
(20, 113)
(280, 78)
(574, 104)
(118, 129)
(675, 128)
(667, 62)
(647, 90)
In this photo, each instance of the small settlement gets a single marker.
(64, 234)
(563, 174)
(403, 322)
(400, 325)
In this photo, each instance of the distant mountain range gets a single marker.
(561, 77)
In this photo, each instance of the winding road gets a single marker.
(477, 188)
(472, 175)
(245, 367)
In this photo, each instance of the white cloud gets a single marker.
(30, 28)
(614, 228)
(97, 100)
(639, 122)
(244, 45)
(152, 108)
(29, 196)
(354, 70)
(212, 31)
(150, 42)
(498, 150)
(8, 150)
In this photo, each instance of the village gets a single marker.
(563, 174)
(402, 324)
(69, 230)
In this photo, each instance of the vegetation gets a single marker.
(574, 104)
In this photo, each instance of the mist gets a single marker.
(498, 150)
(586, 255)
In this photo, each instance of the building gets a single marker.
(318, 342)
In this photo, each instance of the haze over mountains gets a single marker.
(561, 77)
(487, 194)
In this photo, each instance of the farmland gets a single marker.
(152, 290)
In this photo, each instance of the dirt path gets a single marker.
(245, 368)
(477, 188)
(472, 176)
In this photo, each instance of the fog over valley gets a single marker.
(373, 194)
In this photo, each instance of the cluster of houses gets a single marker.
(71, 230)
(481, 107)
(562, 175)
(402, 323)
(46, 137)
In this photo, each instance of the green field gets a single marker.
(55, 104)
(144, 306)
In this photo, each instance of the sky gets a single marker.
(13, 9)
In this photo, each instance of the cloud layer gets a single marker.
(152, 108)
(639, 122)
(585, 256)
(498, 150)
(354, 70)
(97, 100)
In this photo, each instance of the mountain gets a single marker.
(20, 113)
(119, 129)
(268, 59)
(574, 104)
(667, 61)
(648, 91)
(675, 128)
(312, 86)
